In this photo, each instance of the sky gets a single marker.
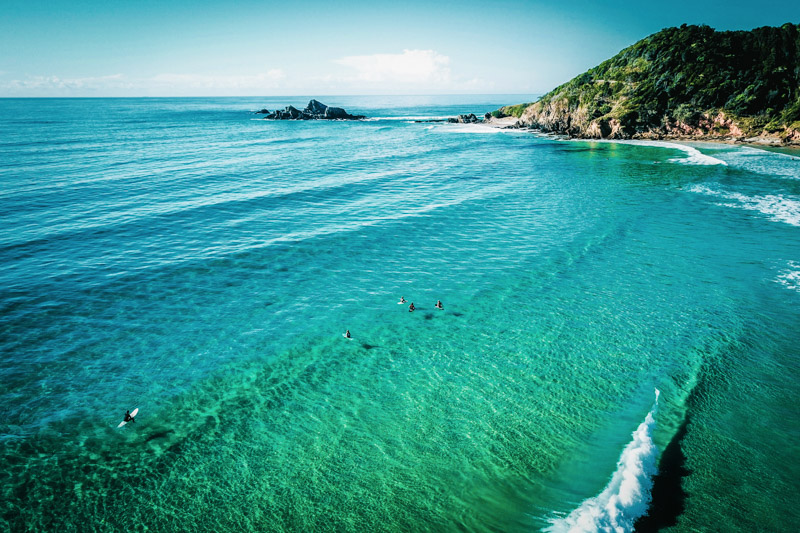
(303, 47)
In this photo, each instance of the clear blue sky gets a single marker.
(262, 48)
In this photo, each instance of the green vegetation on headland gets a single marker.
(690, 81)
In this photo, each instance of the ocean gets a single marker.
(620, 323)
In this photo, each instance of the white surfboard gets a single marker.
(133, 413)
(401, 303)
(346, 337)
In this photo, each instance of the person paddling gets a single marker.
(411, 307)
(439, 304)
(128, 417)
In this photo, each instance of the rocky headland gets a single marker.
(315, 110)
(685, 83)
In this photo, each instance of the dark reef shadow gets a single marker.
(668, 497)
(428, 316)
(368, 346)
(456, 313)
(159, 435)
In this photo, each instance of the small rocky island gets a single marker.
(315, 110)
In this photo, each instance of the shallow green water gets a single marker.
(180, 257)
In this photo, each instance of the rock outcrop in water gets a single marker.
(464, 119)
(688, 82)
(315, 110)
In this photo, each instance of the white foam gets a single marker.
(779, 208)
(694, 156)
(790, 278)
(627, 495)
(411, 118)
(773, 164)
(469, 128)
(477, 128)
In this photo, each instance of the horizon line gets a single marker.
(266, 96)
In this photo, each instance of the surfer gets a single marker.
(402, 300)
(439, 304)
(411, 307)
(128, 417)
(347, 334)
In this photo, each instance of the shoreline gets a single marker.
(767, 143)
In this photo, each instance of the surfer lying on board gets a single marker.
(128, 417)
(411, 307)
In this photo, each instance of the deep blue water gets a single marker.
(187, 258)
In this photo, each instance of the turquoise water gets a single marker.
(186, 258)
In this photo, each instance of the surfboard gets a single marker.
(401, 303)
(346, 337)
(133, 413)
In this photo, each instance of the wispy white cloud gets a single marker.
(411, 70)
(56, 83)
(418, 71)
(161, 84)
(410, 67)
(265, 80)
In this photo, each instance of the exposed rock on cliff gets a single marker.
(690, 81)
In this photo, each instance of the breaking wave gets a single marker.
(779, 208)
(693, 155)
(627, 495)
(790, 278)
(478, 128)
(410, 118)
(773, 164)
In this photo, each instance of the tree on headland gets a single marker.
(690, 80)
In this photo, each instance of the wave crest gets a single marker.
(780, 208)
(790, 278)
(693, 155)
(627, 495)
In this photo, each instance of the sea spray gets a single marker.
(627, 495)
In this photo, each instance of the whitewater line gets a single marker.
(693, 155)
(777, 207)
(627, 495)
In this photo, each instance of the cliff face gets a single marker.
(690, 81)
